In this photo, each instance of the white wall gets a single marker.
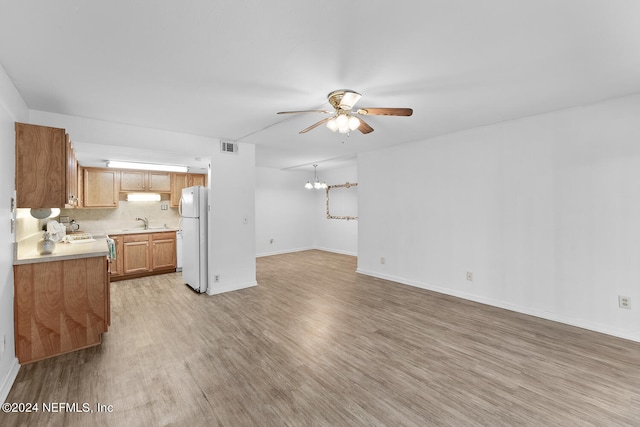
(545, 211)
(12, 109)
(285, 212)
(296, 218)
(232, 243)
(335, 235)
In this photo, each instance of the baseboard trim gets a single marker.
(337, 251)
(8, 381)
(579, 323)
(230, 288)
(310, 248)
(286, 251)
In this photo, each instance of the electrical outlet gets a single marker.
(624, 302)
(216, 278)
(469, 276)
(382, 260)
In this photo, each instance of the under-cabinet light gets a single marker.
(45, 213)
(143, 197)
(146, 166)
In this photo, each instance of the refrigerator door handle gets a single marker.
(180, 206)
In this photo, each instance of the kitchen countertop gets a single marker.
(140, 230)
(26, 251)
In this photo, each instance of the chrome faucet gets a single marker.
(146, 222)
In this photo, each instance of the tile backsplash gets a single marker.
(124, 217)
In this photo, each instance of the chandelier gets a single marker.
(316, 182)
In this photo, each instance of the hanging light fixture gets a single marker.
(316, 181)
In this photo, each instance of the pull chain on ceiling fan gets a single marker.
(344, 119)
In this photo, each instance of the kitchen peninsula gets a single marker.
(62, 300)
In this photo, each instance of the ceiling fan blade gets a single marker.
(385, 111)
(364, 127)
(315, 125)
(306, 111)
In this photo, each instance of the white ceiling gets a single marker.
(223, 69)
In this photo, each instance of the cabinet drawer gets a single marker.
(164, 236)
(136, 238)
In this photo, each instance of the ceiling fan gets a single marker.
(343, 117)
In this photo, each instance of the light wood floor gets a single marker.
(317, 344)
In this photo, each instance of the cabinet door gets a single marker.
(197, 179)
(164, 251)
(59, 306)
(72, 175)
(132, 181)
(136, 257)
(116, 265)
(80, 181)
(100, 188)
(178, 182)
(40, 167)
(159, 182)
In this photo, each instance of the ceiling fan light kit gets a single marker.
(343, 120)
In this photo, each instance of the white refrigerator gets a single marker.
(194, 211)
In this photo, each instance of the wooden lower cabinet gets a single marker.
(116, 266)
(60, 306)
(135, 254)
(143, 254)
(163, 251)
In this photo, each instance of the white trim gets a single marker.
(286, 251)
(8, 381)
(580, 323)
(310, 248)
(230, 288)
(337, 251)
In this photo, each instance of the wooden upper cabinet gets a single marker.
(178, 182)
(133, 180)
(73, 195)
(184, 180)
(41, 167)
(198, 179)
(101, 188)
(159, 181)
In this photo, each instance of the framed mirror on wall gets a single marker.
(342, 201)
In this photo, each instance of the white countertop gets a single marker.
(139, 231)
(26, 251)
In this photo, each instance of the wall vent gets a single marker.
(228, 147)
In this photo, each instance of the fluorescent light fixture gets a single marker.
(146, 166)
(143, 197)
